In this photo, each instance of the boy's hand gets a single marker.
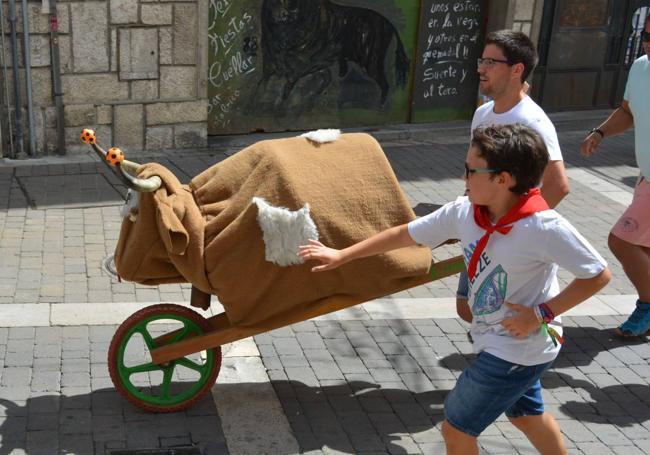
(329, 258)
(523, 323)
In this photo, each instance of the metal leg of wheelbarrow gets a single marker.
(223, 332)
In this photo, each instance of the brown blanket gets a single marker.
(208, 234)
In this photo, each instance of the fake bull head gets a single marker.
(124, 169)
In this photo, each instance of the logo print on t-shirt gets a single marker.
(491, 294)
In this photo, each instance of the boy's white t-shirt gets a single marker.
(526, 112)
(519, 267)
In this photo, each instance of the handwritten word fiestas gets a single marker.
(223, 41)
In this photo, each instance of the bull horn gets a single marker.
(124, 169)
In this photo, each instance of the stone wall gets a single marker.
(523, 15)
(133, 70)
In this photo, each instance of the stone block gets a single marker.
(79, 114)
(138, 53)
(50, 117)
(42, 86)
(39, 130)
(90, 37)
(124, 11)
(524, 10)
(50, 141)
(181, 112)
(104, 115)
(165, 37)
(65, 54)
(185, 34)
(39, 50)
(144, 90)
(160, 138)
(177, 82)
(114, 49)
(190, 136)
(129, 126)
(93, 88)
(156, 14)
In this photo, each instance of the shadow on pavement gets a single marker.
(102, 421)
(616, 403)
(359, 416)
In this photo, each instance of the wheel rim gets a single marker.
(166, 397)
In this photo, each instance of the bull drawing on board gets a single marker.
(302, 39)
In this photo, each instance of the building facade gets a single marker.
(154, 75)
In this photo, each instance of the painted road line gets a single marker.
(252, 418)
(72, 314)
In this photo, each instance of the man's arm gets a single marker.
(618, 122)
(555, 184)
(330, 258)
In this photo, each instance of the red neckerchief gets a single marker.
(528, 204)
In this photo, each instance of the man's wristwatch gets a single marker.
(597, 130)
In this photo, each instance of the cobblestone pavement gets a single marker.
(378, 387)
(56, 397)
(351, 386)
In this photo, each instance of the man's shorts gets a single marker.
(463, 286)
(634, 225)
(490, 387)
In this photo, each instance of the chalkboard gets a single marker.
(450, 39)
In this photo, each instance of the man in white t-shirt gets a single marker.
(629, 239)
(508, 58)
(515, 244)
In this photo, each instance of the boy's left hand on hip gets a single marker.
(523, 323)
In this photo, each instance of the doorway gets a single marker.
(585, 49)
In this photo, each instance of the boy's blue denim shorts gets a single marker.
(490, 387)
(463, 286)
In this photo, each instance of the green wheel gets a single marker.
(169, 387)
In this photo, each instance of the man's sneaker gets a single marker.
(637, 324)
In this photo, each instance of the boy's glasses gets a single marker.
(490, 62)
(478, 170)
(645, 36)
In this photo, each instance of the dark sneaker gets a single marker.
(638, 324)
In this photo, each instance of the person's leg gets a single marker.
(629, 240)
(487, 388)
(635, 260)
(457, 442)
(543, 432)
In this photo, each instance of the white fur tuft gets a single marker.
(322, 136)
(284, 231)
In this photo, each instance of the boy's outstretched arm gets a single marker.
(330, 258)
(576, 292)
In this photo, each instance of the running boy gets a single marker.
(513, 245)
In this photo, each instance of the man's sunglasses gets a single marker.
(479, 170)
(645, 36)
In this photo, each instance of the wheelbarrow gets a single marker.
(166, 357)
